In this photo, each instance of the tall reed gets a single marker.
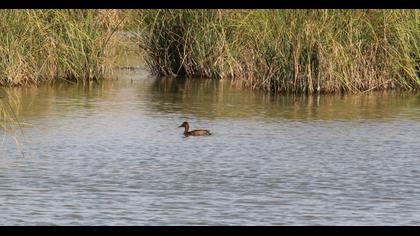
(40, 45)
(294, 51)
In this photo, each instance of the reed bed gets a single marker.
(287, 51)
(45, 45)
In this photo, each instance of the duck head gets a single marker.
(184, 124)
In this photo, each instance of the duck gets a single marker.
(198, 132)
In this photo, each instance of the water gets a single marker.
(112, 154)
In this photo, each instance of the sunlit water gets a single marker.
(112, 154)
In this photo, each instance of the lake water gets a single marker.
(111, 154)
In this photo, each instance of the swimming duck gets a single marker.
(199, 132)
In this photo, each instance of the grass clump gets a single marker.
(44, 45)
(291, 51)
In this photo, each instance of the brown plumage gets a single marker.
(198, 132)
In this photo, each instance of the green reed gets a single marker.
(44, 45)
(294, 51)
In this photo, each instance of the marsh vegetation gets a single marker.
(293, 51)
(288, 51)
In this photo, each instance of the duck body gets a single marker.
(198, 132)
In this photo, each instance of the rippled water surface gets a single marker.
(112, 154)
